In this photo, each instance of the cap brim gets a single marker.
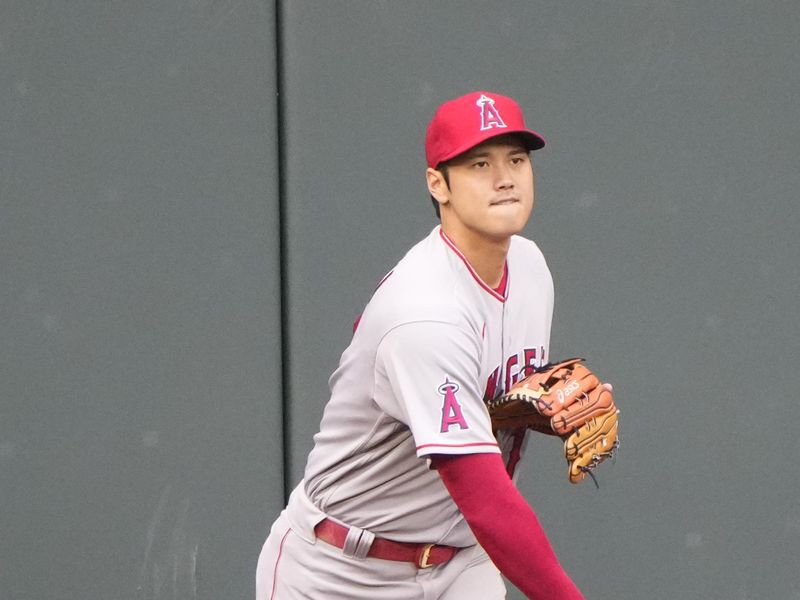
(533, 141)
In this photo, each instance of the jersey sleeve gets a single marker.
(427, 377)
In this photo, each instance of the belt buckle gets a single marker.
(424, 555)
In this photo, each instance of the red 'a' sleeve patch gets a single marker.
(451, 409)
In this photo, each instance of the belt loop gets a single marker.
(357, 543)
(364, 544)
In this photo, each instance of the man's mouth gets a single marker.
(504, 201)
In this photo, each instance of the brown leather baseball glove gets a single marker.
(568, 400)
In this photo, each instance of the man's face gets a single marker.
(491, 190)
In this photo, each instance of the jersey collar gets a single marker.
(501, 292)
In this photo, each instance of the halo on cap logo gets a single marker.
(490, 116)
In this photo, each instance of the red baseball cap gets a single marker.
(465, 122)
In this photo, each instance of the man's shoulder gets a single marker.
(528, 266)
(525, 248)
(423, 269)
(421, 287)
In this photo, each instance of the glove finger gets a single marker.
(598, 435)
(587, 461)
(597, 402)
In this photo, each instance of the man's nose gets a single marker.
(503, 178)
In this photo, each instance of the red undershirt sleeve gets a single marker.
(505, 525)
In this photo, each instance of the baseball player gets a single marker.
(407, 493)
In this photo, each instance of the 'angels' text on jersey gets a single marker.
(516, 368)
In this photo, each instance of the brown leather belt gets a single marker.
(422, 555)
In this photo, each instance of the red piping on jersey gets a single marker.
(503, 285)
(472, 444)
(277, 560)
(493, 292)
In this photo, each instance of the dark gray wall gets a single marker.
(140, 393)
(666, 205)
(140, 397)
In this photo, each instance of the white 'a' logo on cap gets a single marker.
(490, 117)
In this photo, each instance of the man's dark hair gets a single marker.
(442, 168)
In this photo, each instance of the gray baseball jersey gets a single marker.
(431, 345)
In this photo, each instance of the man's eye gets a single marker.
(481, 164)
(517, 160)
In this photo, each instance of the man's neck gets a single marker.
(487, 256)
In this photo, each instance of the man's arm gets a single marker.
(505, 525)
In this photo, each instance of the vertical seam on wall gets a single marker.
(283, 249)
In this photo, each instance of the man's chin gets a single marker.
(505, 230)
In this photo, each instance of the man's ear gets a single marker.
(437, 185)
